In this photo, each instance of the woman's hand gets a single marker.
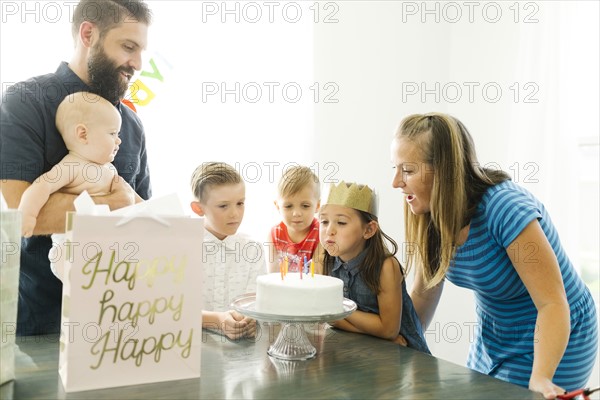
(545, 387)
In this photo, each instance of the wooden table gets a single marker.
(347, 366)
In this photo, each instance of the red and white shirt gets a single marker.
(295, 252)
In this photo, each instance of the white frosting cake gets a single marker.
(292, 296)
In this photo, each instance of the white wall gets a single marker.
(223, 97)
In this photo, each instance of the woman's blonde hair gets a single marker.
(459, 182)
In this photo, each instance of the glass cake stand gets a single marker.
(291, 342)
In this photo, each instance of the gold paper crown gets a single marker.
(359, 197)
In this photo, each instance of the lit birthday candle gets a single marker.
(285, 266)
(281, 268)
(312, 268)
(305, 266)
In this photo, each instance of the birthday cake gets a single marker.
(292, 296)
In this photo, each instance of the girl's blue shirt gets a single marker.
(357, 290)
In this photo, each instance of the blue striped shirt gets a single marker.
(503, 342)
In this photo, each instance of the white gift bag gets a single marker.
(132, 303)
(10, 253)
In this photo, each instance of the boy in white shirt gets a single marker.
(232, 261)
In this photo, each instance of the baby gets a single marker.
(90, 127)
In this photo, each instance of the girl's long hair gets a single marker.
(459, 182)
(377, 253)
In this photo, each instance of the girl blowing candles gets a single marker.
(356, 253)
(537, 324)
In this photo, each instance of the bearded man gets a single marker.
(110, 36)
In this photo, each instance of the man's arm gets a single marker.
(52, 216)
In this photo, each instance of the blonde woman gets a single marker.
(537, 324)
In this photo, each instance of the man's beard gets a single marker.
(105, 77)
